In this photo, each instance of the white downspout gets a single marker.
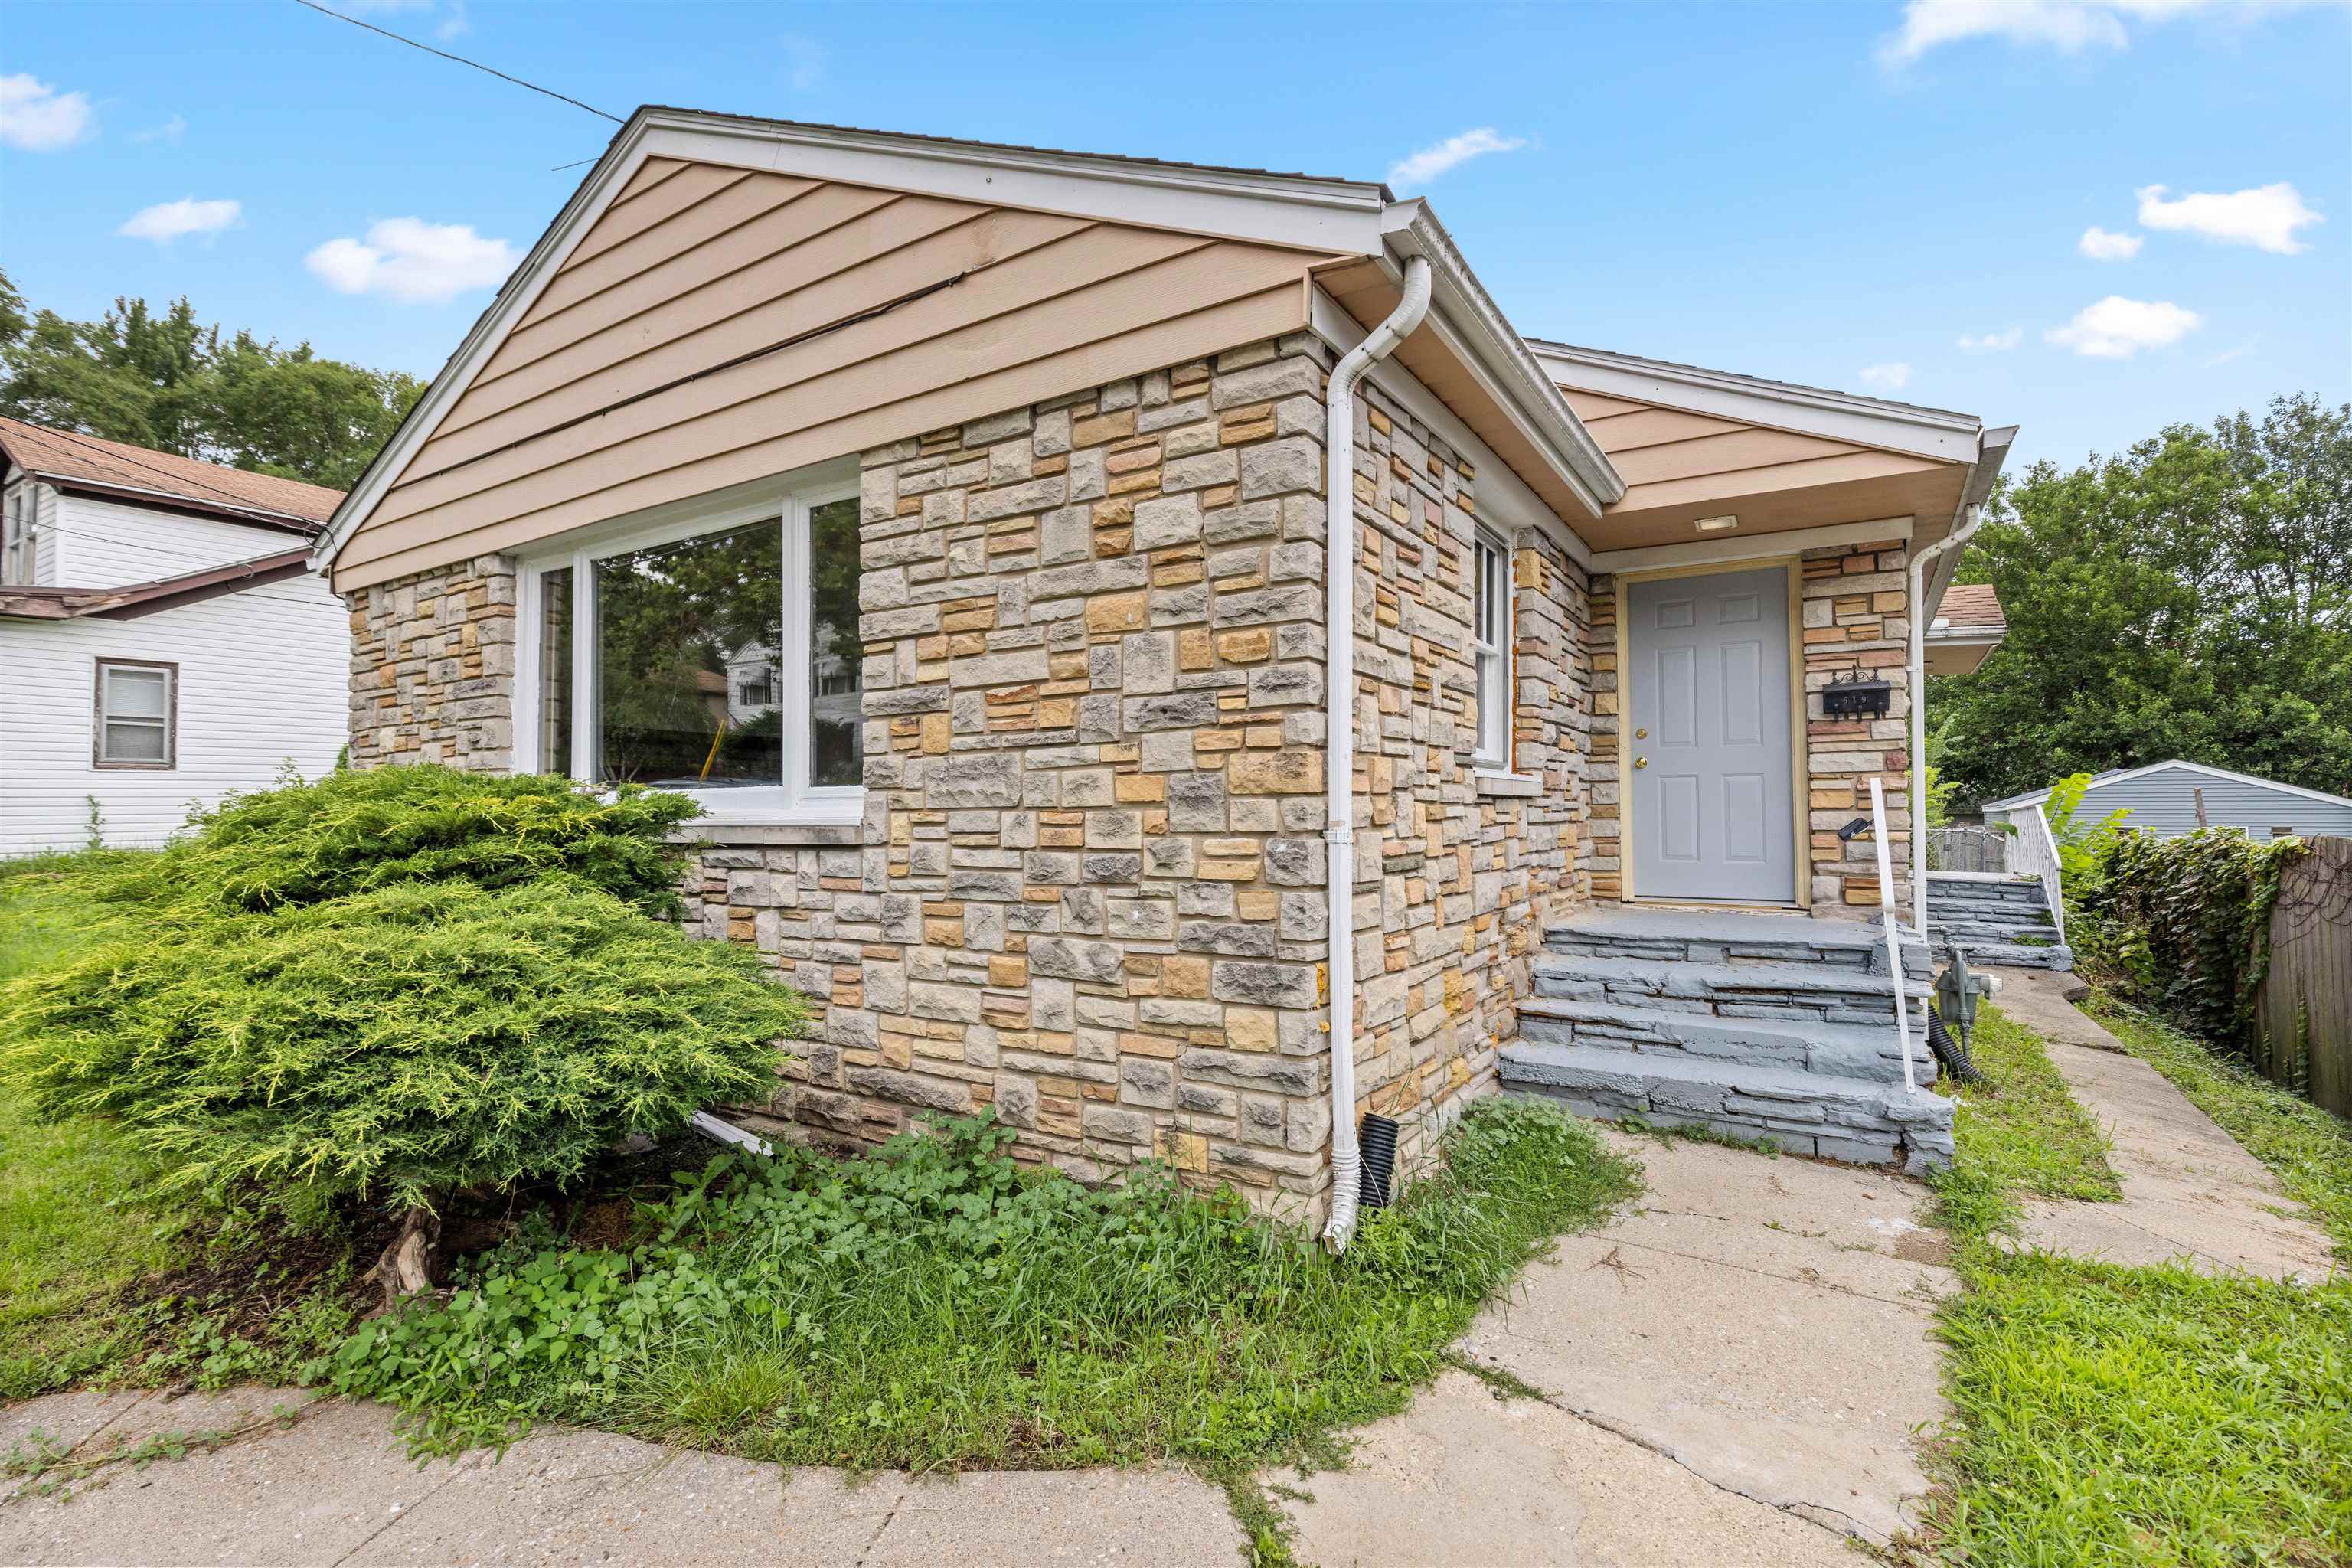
(1920, 561)
(1340, 730)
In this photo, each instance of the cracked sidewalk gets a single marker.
(1734, 1372)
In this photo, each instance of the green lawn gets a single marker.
(2131, 1416)
(73, 1236)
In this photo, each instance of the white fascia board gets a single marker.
(1837, 417)
(1336, 216)
(1475, 331)
(1504, 499)
(1327, 216)
(1705, 551)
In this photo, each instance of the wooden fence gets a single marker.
(2304, 1007)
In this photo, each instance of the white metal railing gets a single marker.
(2036, 855)
(1967, 850)
(1894, 931)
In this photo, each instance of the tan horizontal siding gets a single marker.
(1729, 455)
(1591, 405)
(849, 279)
(1839, 469)
(1639, 426)
(1268, 313)
(701, 265)
(651, 173)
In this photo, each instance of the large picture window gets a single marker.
(1490, 637)
(716, 654)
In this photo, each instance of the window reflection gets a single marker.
(686, 664)
(837, 676)
(555, 671)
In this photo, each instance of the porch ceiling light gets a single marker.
(1718, 524)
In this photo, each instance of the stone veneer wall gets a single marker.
(432, 668)
(1853, 619)
(1088, 892)
(1454, 884)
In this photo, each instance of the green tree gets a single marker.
(166, 381)
(2186, 598)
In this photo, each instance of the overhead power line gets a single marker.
(412, 43)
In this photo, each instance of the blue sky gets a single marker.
(1835, 194)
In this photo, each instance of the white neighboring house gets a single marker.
(163, 640)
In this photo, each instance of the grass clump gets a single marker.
(2107, 1415)
(2308, 1148)
(395, 1044)
(933, 1306)
(2019, 1129)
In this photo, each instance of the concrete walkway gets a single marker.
(336, 1487)
(2191, 1193)
(1734, 1373)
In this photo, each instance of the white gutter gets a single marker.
(1340, 731)
(1991, 451)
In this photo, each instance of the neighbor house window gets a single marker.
(17, 561)
(1490, 641)
(717, 655)
(137, 715)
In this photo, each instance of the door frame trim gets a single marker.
(1801, 836)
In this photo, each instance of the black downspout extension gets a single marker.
(1377, 1136)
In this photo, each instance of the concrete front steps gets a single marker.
(1757, 1026)
(1994, 919)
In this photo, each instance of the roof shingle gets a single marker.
(69, 457)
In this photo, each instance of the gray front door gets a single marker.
(1707, 736)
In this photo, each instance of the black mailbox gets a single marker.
(1857, 699)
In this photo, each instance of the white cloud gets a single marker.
(167, 221)
(1431, 161)
(35, 117)
(2100, 246)
(171, 131)
(2265, 217)
(1892, 376)
(1991, 343)
(2118, 328)
(2069, 27)
(803, 62)
(408, 259)
(455, 25)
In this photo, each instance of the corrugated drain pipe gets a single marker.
(1340, 731)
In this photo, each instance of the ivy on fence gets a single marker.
(2183, 925)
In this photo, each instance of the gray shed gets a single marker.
(2162, 799)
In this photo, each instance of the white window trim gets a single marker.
(168, 723)
(1493, 749)
(793, 801)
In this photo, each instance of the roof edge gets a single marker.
(131, 601)
(2116, 776)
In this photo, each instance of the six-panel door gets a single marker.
(1707, 737)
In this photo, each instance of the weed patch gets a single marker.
(934, 1307)
(2020, 1130)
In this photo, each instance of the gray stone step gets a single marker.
(1728, 936)
(1858, 1120)
(1839, 1050)
(1944, 930)
(1949, 890)
(1783, 991)
(2054, 954)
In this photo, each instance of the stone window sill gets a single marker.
(1496, 781)
(828, 831)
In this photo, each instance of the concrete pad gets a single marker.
(1010, 1519)
(567, 1497)
(1792, 1367)
(2190, 1192)
(66, 1420)
(2044, 1000)
(310, 1495)
(1463, 1479)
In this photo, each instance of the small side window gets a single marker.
(136, 718)
(1490, 641)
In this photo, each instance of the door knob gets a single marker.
(1641, 762)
